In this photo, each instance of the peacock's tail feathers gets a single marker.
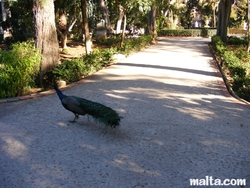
(99, 112)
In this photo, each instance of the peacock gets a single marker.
(81, 106)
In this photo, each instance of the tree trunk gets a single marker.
(64, 29)
(105, 13)
(64, 39)
(152, 21)
(46, 36)
(223, 18)
(119, 21)
(124, 28)
(248, 28)
(88, 42)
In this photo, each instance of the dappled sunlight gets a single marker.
(198, 113)
(158, 142)
(124, 162)
(116, 96)
(14, 148)
(86, 146)
(62, 124)
(224, 143)
(221, 146)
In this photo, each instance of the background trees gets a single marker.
(168, 13)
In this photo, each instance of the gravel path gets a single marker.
(178, 124)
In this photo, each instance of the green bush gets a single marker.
(114, 41)
(244, 90)
(218, 45)
(18, 69)
(235, 63)
(230, 59)
(73, 70)
(203, 32)
(237, 41)
(135, 44)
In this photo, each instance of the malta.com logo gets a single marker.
(210, 181)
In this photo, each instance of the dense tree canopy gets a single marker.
(169, 13)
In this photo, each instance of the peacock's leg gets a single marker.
(76, 117)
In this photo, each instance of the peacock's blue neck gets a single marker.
(60, 94)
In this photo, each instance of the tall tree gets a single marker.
(64, 29)
(105, 14)
(120, 17)
(88, 42)
(124, 28)
(223, 18)
(45, 35)
(248, 47)
(67, 13)
(152, 21)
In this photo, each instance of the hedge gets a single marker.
(237, 68)
(203, 32)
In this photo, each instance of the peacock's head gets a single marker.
(59, 92)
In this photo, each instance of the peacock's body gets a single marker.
(80, 106)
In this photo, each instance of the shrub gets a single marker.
(237, 41)
(218, 45)
(244, 90)
(18, 69)
(135, 44)
(71, 70)
(75, 69)
(110, 41)
(237, 67)
(204, 32)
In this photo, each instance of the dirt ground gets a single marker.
(74, 49)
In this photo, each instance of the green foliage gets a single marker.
(237, 41)
(244, 91)
(135, 44)
(114, 41)
(235, 62)
(75, 69)
(100, 58)
(71, 70)
(21, 21)
(18, 68)
(187, 32)
(238, 14)
(130, 44)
